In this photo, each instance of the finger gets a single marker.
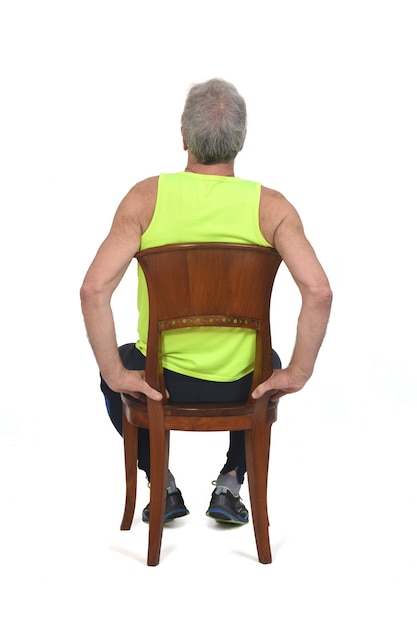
(259, 391)
(152, 393)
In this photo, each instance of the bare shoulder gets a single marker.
(139, 203)
(145, 188)
(285, 231)
(274, 211)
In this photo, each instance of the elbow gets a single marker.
(90, 294)
(85, 297)
(326, 296)
(322, 296)
(85, 292)
(326, 299)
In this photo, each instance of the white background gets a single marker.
(91, 98)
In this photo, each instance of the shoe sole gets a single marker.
(171, 516)
(223, 518)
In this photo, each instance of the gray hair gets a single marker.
(214, 121)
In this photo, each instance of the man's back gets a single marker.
(192, 208)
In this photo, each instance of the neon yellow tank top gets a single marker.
(193, 208)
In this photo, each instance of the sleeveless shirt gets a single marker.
(192, 208)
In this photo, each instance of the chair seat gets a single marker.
(211, 416)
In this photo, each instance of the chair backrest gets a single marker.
(209, 284)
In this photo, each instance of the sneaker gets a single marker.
(175, 507)
(227, 508)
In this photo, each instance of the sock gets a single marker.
(227, 481)
(172, 487)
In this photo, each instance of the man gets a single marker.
(206, 202)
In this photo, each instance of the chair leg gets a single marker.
(257, 456)
(130, 441)
(159, 452)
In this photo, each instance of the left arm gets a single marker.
(102, 278)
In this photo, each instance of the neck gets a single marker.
(217, 169)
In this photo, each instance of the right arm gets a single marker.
(282, 226)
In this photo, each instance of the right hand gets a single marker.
(280, 383)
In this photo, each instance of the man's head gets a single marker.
(214, 122)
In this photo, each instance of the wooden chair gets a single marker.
(205, 284)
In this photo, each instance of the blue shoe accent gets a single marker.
(175, 507)
(227, 508)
